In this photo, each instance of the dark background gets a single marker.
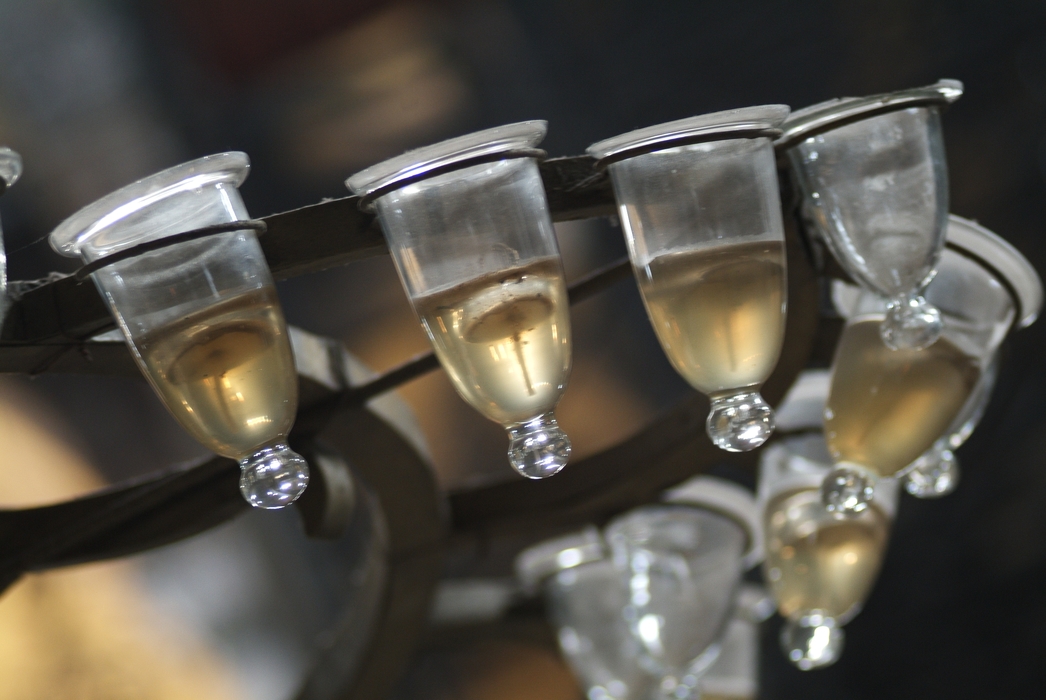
(96, 94)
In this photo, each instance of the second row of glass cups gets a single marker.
(469, 229)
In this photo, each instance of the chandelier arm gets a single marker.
(328, 234)
(311, 421)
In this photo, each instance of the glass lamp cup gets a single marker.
(705, 236)
(201, 317)
(820, 568)
(875, 185)
(680, 567)
(584, 598)
(887, 408)
(10, 171)
(475, 249)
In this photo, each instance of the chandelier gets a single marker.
(758, 238)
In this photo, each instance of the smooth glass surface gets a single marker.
(478, 257)
(877, 190)
(681, 567)
(705, 236)
(201, 318)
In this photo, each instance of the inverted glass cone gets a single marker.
(699, 206)
(680, 569)
(469, 231)
(201, 317)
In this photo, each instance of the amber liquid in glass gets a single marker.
(504, 339)
(886, 407)
(719, 313)
(226, 372)
(816, 562)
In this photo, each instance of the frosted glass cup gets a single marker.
(887, 408)
(469, 230)
(699, 205)
(201, 317)
(680, 569)
(875, 184)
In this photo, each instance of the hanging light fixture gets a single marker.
(639, 604)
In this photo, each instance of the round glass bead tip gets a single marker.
(934, 475)
(813, 641)
(740, 423)
(847, 490)
(911, 324)
(273, 477)
(538, 448)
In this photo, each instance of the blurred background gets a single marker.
(95, 94)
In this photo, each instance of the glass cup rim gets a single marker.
(762, 120)
(416, 163)
(77, 231)
(832, 114)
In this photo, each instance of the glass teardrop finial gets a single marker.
(911, 324)
(847, 490)
(740, 423)
(273, 477)
(539, 448)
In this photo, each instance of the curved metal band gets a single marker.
(367, 201)
(687, 141)
(794, 137)
(256, 225)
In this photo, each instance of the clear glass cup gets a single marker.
(820, 568)
(700, 209)
(585, 599)
(886, 408)
(469, 230)
(201, 317)
(681, 567)
(875, 185)
(10, 171)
